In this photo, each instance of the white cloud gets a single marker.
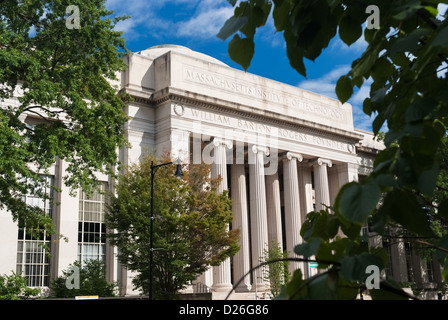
(326, 84)
(442, 7)
(442, 70)
(207, 21)
(152, 16)
(357, 47)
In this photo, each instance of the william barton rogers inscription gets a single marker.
(259, 128)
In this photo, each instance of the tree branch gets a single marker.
(280, 260)
(431, 245)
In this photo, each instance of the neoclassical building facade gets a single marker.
(282, 151)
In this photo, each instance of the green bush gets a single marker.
(92, 281)
(14, 287)
(276, 274)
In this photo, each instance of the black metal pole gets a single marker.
(151, 233)
(151, 226)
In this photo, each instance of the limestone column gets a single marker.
(273, 207)
(258, 216)
(347, 172)
(305, 190)
(293, 221)
(222, 273)
(321, 187)
(219, 164)
(241, 260)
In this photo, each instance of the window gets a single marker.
(409, 263)
(388, 269)
(430, 270)
(91, 226)
(33, 248)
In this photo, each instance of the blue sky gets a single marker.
(195, 23)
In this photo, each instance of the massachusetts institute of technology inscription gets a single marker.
(292, 101)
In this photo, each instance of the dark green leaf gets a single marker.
(232, 25)
(382, 69)
(404, 208)
(441, 39)
(408, 10)
(358, 200)
(344, 88)
(307, 249)
(241, 50)
(296, 289)
(295, 54)
(420, 109)
(428, 178)
(408, 42)
(322, 288)
(388, 291)
(441, 255)
(281, 14)
(442, 210)
(354, 267)
(349, 30)
(377, 223)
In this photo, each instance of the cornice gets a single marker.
(243, 111)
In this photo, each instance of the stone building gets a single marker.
(282, 151)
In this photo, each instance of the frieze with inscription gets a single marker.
(261, 128)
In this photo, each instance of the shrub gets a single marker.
(91, 280)
(14, 287)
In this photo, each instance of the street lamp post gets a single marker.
(154, 169)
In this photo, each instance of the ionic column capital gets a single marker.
(291, 155)
(219, 141)
(256, 149)
(320, 162)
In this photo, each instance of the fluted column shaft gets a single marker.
(222, 273)
(273, 208)
(293, 220)
(241, 260)
(258, 216)
(305, 190)
(321, 187)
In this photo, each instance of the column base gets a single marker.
(258, 287)
(222, 287)
(243, 288)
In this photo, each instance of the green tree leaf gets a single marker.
(344, 88)
(356, 201)
(349, 29)
(403, 207)
(354, 267)
(232, 25)
(440, 40)
(307, 249)
(241, 50)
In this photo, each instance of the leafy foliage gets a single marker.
(14, 287)
(190, 227)
(92, 281)
(62, 79)
(275, 273)
(406, 57)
